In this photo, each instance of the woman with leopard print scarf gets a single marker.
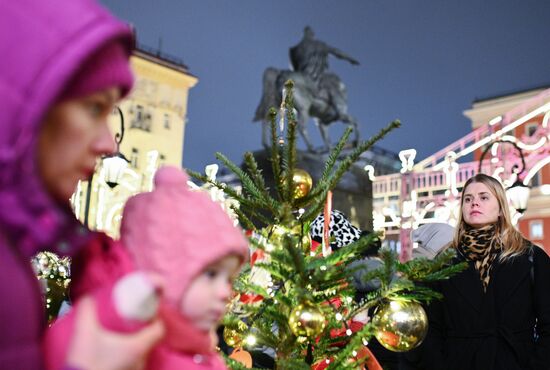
(495, 314)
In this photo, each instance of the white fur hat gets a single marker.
(431, 238)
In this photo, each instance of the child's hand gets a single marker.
(95, 348)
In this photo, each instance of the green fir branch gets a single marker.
(370, 299)
(254, 212)
(341, 361)
(318, 205)
(329, 166)
(344, 166)
(445, 273)
(259, 182)
(275, 153)
(242, 279)
(276, 270)
(289, 163)
(264, 334)
(361, 148)
(281, 256)
(390, 260)
(370, 275)
(244, 221)
(246, 203)
(228, 190)
(297, 260)
(248, 287)
(418, 293)
(289, 152)
(247, 183)
(346, 254)
(426, 270)
(292, 364)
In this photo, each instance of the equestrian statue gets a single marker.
(318, 93)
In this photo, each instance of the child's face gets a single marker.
(205, 299)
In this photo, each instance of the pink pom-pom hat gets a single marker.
(177, 232)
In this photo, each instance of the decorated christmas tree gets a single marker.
(54, 275)
(296, 302)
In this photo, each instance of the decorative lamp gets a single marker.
(114, 166)
(518, 194)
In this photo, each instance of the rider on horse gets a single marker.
(318, 93)
(310, 56)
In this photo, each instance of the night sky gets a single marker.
(423, 62)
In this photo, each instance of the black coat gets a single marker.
(473, 330)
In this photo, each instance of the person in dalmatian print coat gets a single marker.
(342, 233)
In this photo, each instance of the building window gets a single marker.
(141, 118)
(137, 116)
(167, 121)
(134, 158)
(139, 113)
(536, 230)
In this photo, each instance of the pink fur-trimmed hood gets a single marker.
(177, 232)
(43, 45)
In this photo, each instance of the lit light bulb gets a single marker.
(250, 340)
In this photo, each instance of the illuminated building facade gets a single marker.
(155, 115)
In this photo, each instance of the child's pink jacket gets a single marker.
(174, 233)
(184, 347)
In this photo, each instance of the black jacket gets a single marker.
(473, 330)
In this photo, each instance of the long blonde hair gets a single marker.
(511, 240)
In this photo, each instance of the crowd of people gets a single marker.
(65, 64)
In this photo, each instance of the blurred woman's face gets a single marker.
(73, 135)
(479, 205)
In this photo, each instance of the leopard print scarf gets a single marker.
(480, 247)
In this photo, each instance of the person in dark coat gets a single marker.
(495, 314)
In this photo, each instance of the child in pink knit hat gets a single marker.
(188, 242)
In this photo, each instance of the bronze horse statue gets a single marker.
(324, 101)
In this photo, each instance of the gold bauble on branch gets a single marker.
(400, 325)
(306, 320)
(294, 231)
(301, 182)
(234, 336)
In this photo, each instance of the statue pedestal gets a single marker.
(352, 195)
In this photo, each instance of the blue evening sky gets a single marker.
(422, 61)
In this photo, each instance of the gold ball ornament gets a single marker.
(234, 337)
(294, 231)
(400, 326)
(302, 183)
(306, 320)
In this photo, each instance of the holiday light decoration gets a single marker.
(429, 191)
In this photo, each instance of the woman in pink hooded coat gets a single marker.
(64, 65)
(188, 243)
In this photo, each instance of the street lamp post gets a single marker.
(518, 192)
(114, 165)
